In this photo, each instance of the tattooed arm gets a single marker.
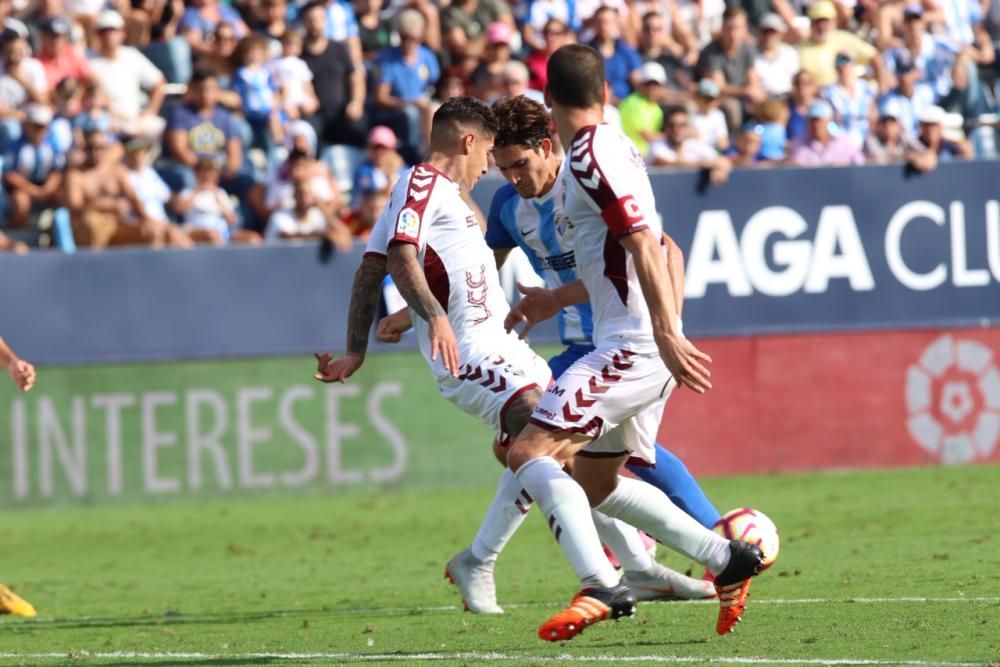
(411, 282)
(364, 302)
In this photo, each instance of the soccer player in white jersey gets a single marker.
(441, 264)
(23, 375)
(608, 404)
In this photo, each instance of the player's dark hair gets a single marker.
(466, 112)
(521, 122)
(576, 76)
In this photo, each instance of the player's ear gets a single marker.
(605, 94)
(546, 148)
(467, 142)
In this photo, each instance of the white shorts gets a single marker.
(614, 395)
(491, 380)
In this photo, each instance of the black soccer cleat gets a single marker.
(745, 560)
(589, 606)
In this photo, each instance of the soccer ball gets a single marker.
(753, 526)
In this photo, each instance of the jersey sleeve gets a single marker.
(497, 235)
(604, 168)
(378, 239)
(410, 224)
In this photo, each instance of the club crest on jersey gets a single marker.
(562, 223)
(408, 223)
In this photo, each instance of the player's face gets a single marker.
(479, 158)
(527, 169)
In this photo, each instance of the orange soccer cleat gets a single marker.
(589, 606)
(11, 603)
(733, 583)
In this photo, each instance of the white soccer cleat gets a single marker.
(662, 583)
(474, 579)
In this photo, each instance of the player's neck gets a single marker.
(555, 163)
(450, 166)
(570, 121)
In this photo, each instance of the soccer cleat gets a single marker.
(733, 583)
(475, 581)
(662, 583)
(11, 603)
(589, 606)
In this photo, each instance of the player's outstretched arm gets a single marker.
(683, 360)
(411, 282)
(675, 266)
(540, 303)
(21, 372)
(361, 313)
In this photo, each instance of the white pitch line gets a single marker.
(516, 605)
(498, 657)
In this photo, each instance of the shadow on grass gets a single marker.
(167, 618)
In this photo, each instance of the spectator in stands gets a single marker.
(294, 78)
(200, 20)
(886, 143)
(820, 146)
(451, 84)
(374, 27)
(261, 95)
(707, 120)
(556, 35)
(209, 216)
(68, 100)
(464, 24)
(339, 84)
(370, 200)
(487, 78)
(60, 58)
(272, 20)
(852, 98)
(803, 94)
(200, 128)
(772, 115)
(22, 78)
(932, 147)
(755, 146)
(32, 167)
(151, 190)
(539, 15)
(641, 113)
(656, 45)
(679, 149)
(776, 62)
(817, 54)
(516, 81)
(382, 160)
(912, 97)
(730, 61)
(126, 75)
(406, 75)
(221, 59)
(306, 220)
(277, 193)
(102, 203)
(621, 61)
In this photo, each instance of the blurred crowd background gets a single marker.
(174, 123)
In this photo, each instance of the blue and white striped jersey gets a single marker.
(529, 224)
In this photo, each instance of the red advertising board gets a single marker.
(820, 401)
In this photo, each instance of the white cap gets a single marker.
(772, 21)
(109, 19)
(932, 115)
(37, 114)
(652, 71)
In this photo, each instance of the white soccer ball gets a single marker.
(753, 526)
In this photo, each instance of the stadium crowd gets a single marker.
(173, 122)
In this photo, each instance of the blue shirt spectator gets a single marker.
(932, 54)
(207, 133)
(257, 88)
(408, 80)
(34, 161)
(193, 19)
(621, 61)
(341, 23)
(540, 12)
(909, 106)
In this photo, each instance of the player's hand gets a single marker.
(443, 343)
(392, 327)
(22, 373)
(538, 304)
(686, 363)
(329, 369)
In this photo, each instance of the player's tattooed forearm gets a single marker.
(364, 302)
(412, 284)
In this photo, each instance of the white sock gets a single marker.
(567, 511)
(503, 518)
(624, 542)
(644, 506)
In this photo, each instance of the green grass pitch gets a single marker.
(886, 567)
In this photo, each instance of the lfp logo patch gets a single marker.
(953, 396)
(408, 223)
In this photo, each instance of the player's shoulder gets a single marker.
(504, 200)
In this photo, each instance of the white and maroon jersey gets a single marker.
(607, 196)
(426, 209)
